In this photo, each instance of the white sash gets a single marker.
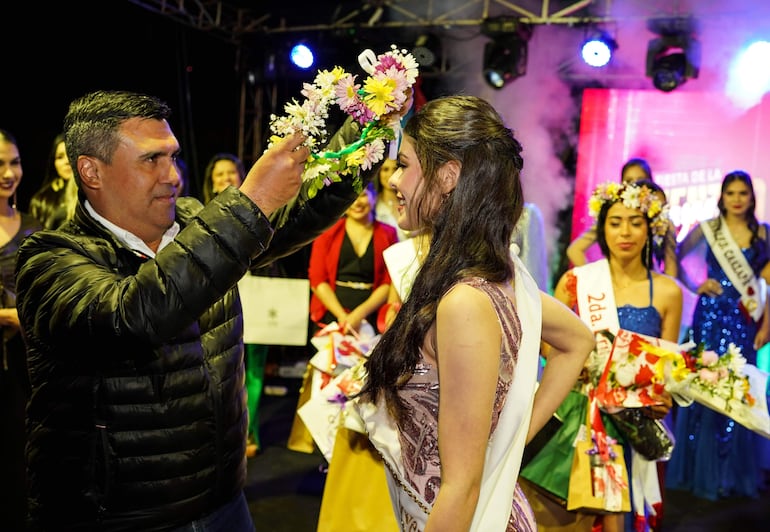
(595, 296)
(735, 266)
(506, 446)
(596, 307)
(403, 264)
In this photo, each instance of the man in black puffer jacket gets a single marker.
(133, 325)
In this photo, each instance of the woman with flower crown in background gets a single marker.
(716, 457)
(635, 170)
(631, 220)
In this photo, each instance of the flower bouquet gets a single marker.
(377, 105)
(338, 350)
(726, 384)
(635, 375)
(338, 374)
(632, 378)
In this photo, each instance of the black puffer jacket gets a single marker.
(137, 418)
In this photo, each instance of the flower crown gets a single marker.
(375, 104)
(634, 197)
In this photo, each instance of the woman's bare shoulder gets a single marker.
(666, 285)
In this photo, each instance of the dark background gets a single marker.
(65, 49)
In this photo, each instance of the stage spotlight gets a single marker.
(597, 49)
(427, 51)
(672, 60)
(505, 55)
(505, 59)
(674, 57)
(302, 56)
(749, 78)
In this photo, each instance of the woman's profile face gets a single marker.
(415, 204)
(408, 182)
(61, 162)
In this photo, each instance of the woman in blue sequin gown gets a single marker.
(714, 456)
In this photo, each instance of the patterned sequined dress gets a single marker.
(714, 456)
(419, 441)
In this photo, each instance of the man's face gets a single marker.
(137, 191)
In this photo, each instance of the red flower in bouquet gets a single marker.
(635, 376)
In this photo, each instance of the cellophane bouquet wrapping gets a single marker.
(726, 384)
(635, 377)
(637, 371)
(338, 373)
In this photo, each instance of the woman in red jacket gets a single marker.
(347, 273)
(350, 283)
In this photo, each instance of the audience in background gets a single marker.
(14, 382)
(386, 209)
(349, 283)
(224, 170)
(54, 202)
(347, 273)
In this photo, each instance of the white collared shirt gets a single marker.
(130, 239)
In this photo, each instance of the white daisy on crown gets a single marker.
(376, 104)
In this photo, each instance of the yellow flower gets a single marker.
(356, 158)
(613, 190)
(379, 94)
(595, 204)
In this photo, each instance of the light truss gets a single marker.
(232, 22)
